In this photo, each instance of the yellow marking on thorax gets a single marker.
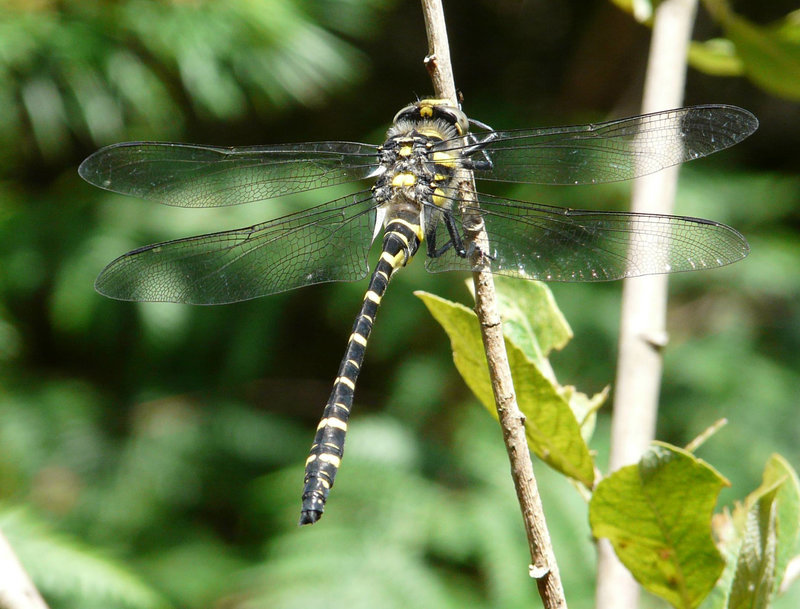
(439, 198)
(445, 158)
(405, 151)
(402, 180)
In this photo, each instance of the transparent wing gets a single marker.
(615, 150)
(329, 242)
(556, 244)
(188, 175)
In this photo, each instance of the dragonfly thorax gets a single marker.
(412, 168)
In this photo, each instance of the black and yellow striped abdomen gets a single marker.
(401, 240)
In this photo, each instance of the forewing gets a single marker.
(329, 242)
(188, 175)
(556, 244)
(615, 150)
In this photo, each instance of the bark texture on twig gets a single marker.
(644, 299)
(543, 564)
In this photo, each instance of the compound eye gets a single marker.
(409, 112)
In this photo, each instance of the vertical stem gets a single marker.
(438, 61)
(543, 564)
(644, 299)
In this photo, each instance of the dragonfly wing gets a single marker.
(329, 242)
(557, 244)
(188, 175)
(615, 150)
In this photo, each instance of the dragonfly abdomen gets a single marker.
(401, 240)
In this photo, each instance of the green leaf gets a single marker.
(584, 407)
(533, 322)
(531, 318)
(716, 57)
(657, 516)
(771, 55)
(788, 510)
(754, 580)
(731, 532)
(768, 527)
(552, 430)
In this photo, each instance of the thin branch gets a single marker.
(16, 588)
(543, 563)
(709, 431)
(643, 325)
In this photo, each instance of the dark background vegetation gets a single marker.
(151, 454)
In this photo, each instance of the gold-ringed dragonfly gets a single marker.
(413, 198)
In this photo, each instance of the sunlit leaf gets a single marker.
(771, 55)
(552, 430)
(766, 539)
(787, 500)
(716, 57)
(754, 579)
(657, 515)
(533, 322)
(531, 318)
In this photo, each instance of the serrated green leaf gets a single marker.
(552, 430)
(533, 322)
(716, 57)
(730, 531)
(781, 477)
(788, 501)
(657, 515)
(754, 580)
(771, 55)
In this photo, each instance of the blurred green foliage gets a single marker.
(769, 56)
(151, 455)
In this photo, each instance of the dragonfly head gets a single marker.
(433, 109)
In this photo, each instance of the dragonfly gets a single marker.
(415, 197)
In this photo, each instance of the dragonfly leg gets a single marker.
(479, 145)
(456, 241)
